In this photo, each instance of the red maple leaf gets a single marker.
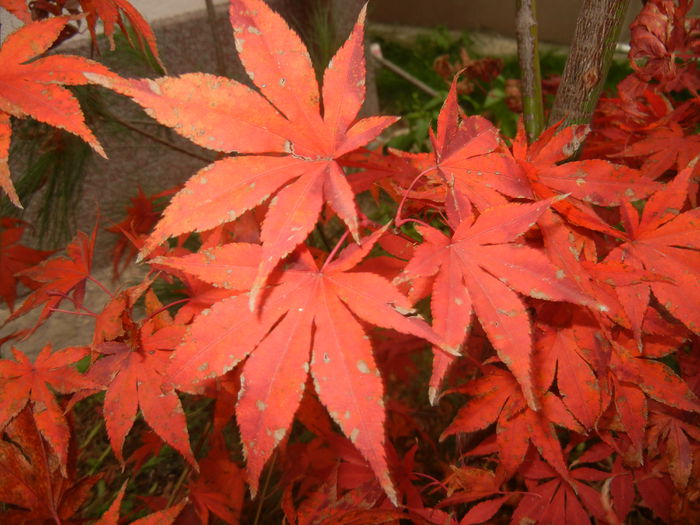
(663, 43)
(32, 88)
(558, 355)
(496, 397)
(22, 382)
(110, 12)
(140, 218)
(14, 258)
(131, 370)
(18, 8)
(306, 324)
(560, 501)
(161, 517)
(294, 146)
(669, 431)
(58, 278)
(664, 148)
(470, 158)
(478, 270)
(31, 479)
(665, 242)
(219, 488)
(585, 182)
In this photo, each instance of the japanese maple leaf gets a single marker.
(18, 8)
(22, 382)
(294, 146)
(161, 517)
(496, 397)
(31, 481)
(131, 370)
(15, 257)
(140, 218)
(673, 428)
(219, 489)
(554, 500)
(586, 182)
(59, 277)
(654, 378)
(663, 43)
(32, 88)
(471, 158)
(468, 157)
(664, 148)
(110, 11)
(478, 270)
(558, 354)
(666, 243)
(306, 324)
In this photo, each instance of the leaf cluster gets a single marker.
(519, 341)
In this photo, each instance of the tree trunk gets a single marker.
(529, 59)
(597, 31)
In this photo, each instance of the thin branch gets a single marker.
(159, 140)
(218, 44)
(376, 52)
(529, 59)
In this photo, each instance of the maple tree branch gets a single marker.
(376, 52)
(529, 60)
(218, 44)
(595, 38)
(159, 140)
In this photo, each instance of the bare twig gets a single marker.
(159, 140)
(529, 59)
(218, 45)
(376, 52)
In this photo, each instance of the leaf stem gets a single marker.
(102, 286)
(335, 250)
(72, 312)
(164, 308)
(398, 221)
